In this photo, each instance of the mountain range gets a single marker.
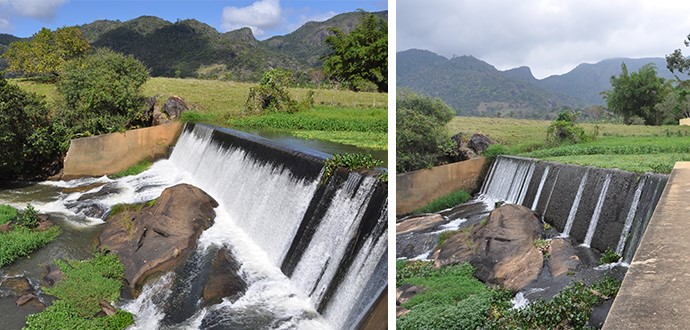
(190, 48)
(476, 88)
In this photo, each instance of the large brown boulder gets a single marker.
(158, 238)
(479, 142)
(419, 224)
(502, 249)
(562, 258)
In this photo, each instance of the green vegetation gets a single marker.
(134, 170)
(564, 130)
(452, 298)
(29, 144)
(359, 60)
(608, 257)
(102, 93)
(453, 199)
(352, 162)
(7, 214)
(634, 96)
(272, 95)
(630, 148)
(420, 135)
(570, 309)
(85, 285)
(21, 241)
(29, 218)
(47, 52)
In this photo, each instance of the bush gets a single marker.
(272, 95)
(29, 218)
(609, 256)
(353, 162)
(30, 147)
(421, 132)
(564, 130)
(102, 93)
(494, 151)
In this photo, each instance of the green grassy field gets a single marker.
(626, 147)
(220, 102)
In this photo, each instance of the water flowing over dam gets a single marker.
(600, 208)
(312, 249)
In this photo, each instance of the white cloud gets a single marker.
(43, 10)
(258, 16)
(551, 37)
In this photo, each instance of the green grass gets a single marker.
(21, 241)
(453, 199)
(7, 214)
(631, 148)
(85, 284)
(134, 170)
(355, 118)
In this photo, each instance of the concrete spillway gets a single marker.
(654, 293)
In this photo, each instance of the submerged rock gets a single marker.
(224, 279)
(158, 238)
(502, 250)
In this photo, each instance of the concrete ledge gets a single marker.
(684, 122)
(655, 293)
(418, 188)
(114, 152)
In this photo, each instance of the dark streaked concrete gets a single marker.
(655, 293)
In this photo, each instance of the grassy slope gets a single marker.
(630, 148)
(218, 101)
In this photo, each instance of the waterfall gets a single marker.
(574, 207)
(601, 208)
(597, 211)
(629, 218)
(541, 186)
(326, 235)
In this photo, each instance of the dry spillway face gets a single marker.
(311, 250)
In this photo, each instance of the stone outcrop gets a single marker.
(479, 143)
(158, 238)
(418, 224)
(172, 109)
(502, 250)
(562, 258)
(224, 280)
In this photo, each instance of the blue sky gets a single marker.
(266, 17)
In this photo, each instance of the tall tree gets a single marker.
(676, 61)
(360, 59)
(47, 51)
(636, 95)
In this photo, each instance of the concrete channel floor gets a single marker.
(655, 293)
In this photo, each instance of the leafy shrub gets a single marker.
(564, 130)
(21, 241)
(29, 218)
(30, 146)
(85, 284)
(7, 214)
(102, 93)
(609, 256)
(353, 162)
(272, 95)
(406, 269)
(453, 199)
(421, 132)
(495, 150)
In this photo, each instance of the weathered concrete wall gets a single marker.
(418, 188)
(654, 293)
(684, 121)
(114, 152)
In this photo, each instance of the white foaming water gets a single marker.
(321, 259)
(509, 180)
(146, 310)
(597, 211)
(573, 208)
(630, 217)
(232, 177)
(535, 203)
